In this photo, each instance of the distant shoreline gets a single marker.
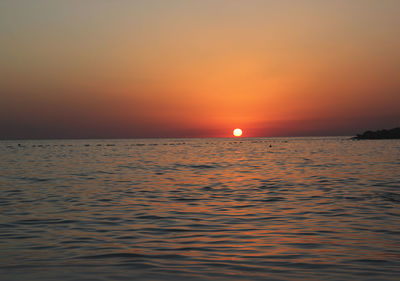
(379, 134)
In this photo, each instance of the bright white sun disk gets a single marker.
(237, 132)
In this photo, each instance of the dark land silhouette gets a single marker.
(380, 134)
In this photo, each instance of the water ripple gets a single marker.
(201, 209)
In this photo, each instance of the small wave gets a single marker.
(150, 217)
(33, 179)
(390, 196)
(44, 221)
(273, 199)
(202, 166)
(113, 255)
(133, 256)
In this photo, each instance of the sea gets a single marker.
(321, 208)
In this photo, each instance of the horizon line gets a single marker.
(147, 138)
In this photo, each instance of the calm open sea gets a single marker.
(200, 209)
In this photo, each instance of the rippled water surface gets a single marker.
(200, 209)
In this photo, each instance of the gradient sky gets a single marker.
(157, 68)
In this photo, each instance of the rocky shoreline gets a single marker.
(380, 134)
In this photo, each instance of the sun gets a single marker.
(237, 132)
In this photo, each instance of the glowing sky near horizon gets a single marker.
(99, 69)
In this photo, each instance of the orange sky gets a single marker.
(99, 69)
